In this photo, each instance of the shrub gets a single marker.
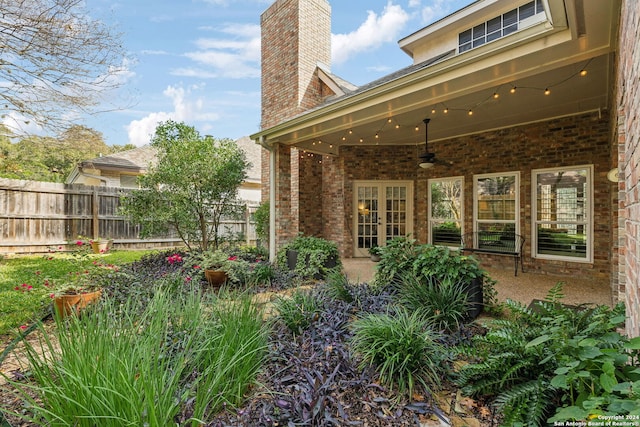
(546, 357)
(298, 311)
(395, 258)
(171, 361)
(445, 265)
(315, 256)
(402, 348)
(261, 218)
(337, 286)
(444, 304)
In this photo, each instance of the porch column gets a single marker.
(334, 205)
(283, 186)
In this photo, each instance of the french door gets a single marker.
(382, 210)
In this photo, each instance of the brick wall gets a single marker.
(296, 34)
(576, 140)
(628, 110)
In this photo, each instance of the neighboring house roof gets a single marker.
(138, 160)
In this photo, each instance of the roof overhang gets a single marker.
(542, 56)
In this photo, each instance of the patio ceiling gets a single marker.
(468, 82)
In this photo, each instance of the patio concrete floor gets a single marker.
(524, 288)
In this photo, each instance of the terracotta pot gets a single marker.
(100, 247)
(216, 278)
(73, 303)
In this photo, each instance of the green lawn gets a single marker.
(26, 282)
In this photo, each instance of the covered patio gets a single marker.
(504, 123)
(524, 287)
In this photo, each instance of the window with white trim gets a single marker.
(497, 202)
(562, 213)
(500, 26)
(446, 211)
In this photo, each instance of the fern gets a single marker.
(526, 403)
(555, 294)
(518, 357)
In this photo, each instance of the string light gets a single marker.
(469, 109)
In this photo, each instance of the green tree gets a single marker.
(194, 184)
(41, 158)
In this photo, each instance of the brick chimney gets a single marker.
(296, 35)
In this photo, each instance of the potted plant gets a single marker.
(374, 252)
(73, 298)
(99, 245)
(220, 268)
(309, 256)
(447, 266)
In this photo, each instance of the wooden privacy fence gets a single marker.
(35, 216)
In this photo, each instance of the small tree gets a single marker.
(194, 184)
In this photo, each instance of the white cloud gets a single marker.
(375, 31)
(438, 9)
(153, 52)
(185, 109)
(237, 57)
(20, 124)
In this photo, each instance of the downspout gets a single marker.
(272, 198)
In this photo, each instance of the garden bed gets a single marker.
(325, 359)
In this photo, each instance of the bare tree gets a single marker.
(55, 62)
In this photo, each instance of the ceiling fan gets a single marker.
(428, 159)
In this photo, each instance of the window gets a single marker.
(562, 212)
(445, 211)
(497, 202)
(129, 181)
(501, 26)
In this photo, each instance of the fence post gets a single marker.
(247, 223)
(94, 212)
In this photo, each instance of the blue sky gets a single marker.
(198, 61)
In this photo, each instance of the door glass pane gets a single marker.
(382, 214)
(396, 210)
(367, 217)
